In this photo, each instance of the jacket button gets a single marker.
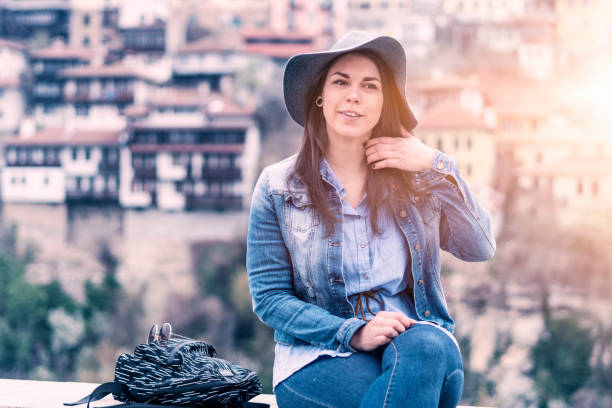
(440, 165)
(417, 246)
(403, 214)
(420, 282)
(427, 313)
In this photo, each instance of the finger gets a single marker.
(387, 331)
(380, 340)
(391, 163)
(382, 147)
(400, 317)
(381, 155)
(382, 140)
(397, 325)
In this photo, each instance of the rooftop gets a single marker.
(449, 115)
(58, 136)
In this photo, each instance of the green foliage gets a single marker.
(561, 359)
(43, 329)
(217, 263)
(221, 271)
(25, 332)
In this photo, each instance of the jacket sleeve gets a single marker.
(465, 227)
(270, 281)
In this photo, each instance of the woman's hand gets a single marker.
(404, 153)
(380, 330)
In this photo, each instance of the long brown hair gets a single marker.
(315, 142)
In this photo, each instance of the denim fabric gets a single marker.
(420, 368)
(370, 261)
(295, 264)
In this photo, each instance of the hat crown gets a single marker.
(352, 39)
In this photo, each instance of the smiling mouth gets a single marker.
(350, 115)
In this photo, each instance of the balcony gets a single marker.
(213, 202)
(110, 96)
(145, 172)
(225, 174)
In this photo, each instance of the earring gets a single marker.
(319, 101)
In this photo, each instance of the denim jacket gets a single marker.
(294, 263)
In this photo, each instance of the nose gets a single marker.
(352, 95)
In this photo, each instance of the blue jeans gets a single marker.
(421, 367)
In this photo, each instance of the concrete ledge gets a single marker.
(50, 394)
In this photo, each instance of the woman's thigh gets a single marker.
(330, 382)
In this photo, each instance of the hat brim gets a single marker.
(302, 71)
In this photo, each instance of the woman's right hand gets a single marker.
(380, 330)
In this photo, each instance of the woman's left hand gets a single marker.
(404, 153)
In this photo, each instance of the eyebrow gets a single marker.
(342, 74)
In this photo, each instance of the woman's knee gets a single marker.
(429, 343)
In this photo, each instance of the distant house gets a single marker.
(191, 152)
(279, 46)
(465, 137)
(424, 94)
(47, 88)
(56, 165)
(98, 95)
(25, 20)
(210, 62)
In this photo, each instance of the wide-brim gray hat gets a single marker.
(302, 70)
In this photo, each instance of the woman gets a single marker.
(344, 237)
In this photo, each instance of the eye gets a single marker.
(340, 82)
(370, 85)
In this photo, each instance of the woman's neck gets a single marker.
(347, 159)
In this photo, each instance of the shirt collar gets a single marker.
(328, 175)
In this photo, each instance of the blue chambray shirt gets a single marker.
(369, 261)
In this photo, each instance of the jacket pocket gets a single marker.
(298, 213)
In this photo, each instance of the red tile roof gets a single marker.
(11, 44)
(63, 52)
(449, 115)
(9, 83)
(113, 71)
(58, 136)
(214, 104)
(444, 83)
(210, 45)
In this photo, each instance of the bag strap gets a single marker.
(102, 391)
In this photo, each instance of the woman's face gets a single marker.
(352, 98)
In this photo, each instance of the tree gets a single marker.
(561, 359)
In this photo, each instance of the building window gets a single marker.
(595, 188)
(87, 153)
(49, 109)
(82, 110)
(469, 143)
(46, 180)
(579, 187)
(456, 142)
(86, 41)
(469, 170)
(75, 153)
(440, 144)
(11, 155)
(86, 19)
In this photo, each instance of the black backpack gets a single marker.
(181, 373)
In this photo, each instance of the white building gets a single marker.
(463, 136)
(59, 164)
(192, 151)
(12, 98)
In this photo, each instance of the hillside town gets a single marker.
(152, 104)
(154, 112)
